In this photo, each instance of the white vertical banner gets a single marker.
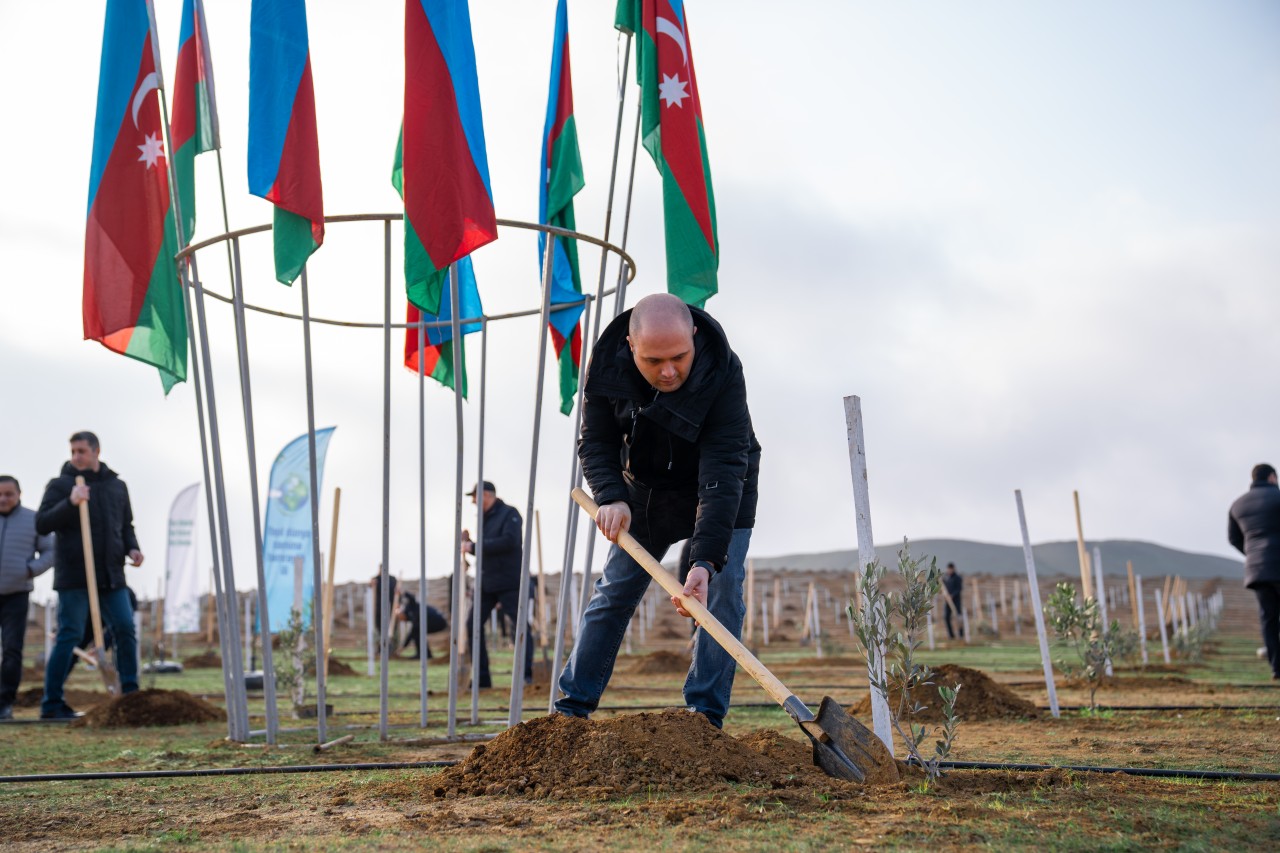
(183, 583)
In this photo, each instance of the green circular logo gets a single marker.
(294, 493)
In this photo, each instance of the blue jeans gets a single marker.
(73, 612)
(604, 624)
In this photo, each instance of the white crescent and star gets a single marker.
(151, 81)
(672, 88)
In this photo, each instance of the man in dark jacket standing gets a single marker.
(668, 451)
(501, 551)
(954, 585)
(24, 554)
(1253, 528)
(111, 529)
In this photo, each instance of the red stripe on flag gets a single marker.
(297, 188)
(431, 354)
(564, 100)
(681, 148)
(125, 228)
(444, 196)
(182, 122)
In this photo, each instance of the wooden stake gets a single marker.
(777, 602)
(1086, 582)
(748, 630)
(328, 590)
(1033, 599)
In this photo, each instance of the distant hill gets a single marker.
(1052, 558)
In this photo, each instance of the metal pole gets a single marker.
(422, 521)
(317, 579)
(246, 393)
(384, 585)
(1033, 592)
(237, 707)
(476, 627)
(620, 292)
(458, 580)
(522, 617)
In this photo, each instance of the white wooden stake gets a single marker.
(1142, 618)
(1102, 599)
(1033, 593)
(817, 627)
(1017, 608)
(764, 617)
(866, 552)
(1164, 634)
(929, 627)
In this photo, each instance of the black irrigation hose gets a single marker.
(1165, 707)
(226, 771)
(1231, 775)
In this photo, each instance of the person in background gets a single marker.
(24, 555)
(1253, 529)
(953, 583)
(499, 574)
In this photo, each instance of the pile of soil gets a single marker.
(151, 708)
(78, 699)
(673, 751)
(979, 698)
(339, 667)
(661, 662)
(204, 660)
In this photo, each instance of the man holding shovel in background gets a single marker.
(668, 451)
(111, 524)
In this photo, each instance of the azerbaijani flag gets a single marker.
(284, 155)
(671, 116)
(561, 180)
(194, 126)
(132, 301)
(447, 198)
(438, 347)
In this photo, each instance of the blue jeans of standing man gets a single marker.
(73, 611)
(604, 625)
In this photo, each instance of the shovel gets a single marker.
(110, 677)
(842, 746)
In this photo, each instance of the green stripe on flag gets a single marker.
(160, 335)
(293, 244)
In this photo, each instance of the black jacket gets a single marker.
(687, 462)
(110, 523)
(503, 546)
(1253, 528)
(955, 587)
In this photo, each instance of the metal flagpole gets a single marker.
(246, 392)
(575, 478)
(571, 532)
(237, 723)
(317, 589)
(476, 627)
(384, 584)
(522, 618)
(422, 521)
(458, 579)
(620, 292)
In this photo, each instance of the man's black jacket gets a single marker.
(503, 545)
(955, 586)
(1253, 528)
(686, 462)
(110, 523)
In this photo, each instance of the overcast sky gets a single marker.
(1038, 239)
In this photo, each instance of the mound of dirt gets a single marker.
(340, 667)
(151, 708)
(797, 756)
(81, 700)
(661, 662)
(204, 660)
(979, 698)
(673, 751)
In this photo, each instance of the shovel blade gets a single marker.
(846, 749)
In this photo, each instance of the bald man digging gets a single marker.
(669, 454)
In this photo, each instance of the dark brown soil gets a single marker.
(562, 757)
(660, 662)
(204, 660)
(340, 667)
(81, 700)
(979, 698)
(151, 708)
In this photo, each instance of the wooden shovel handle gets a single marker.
(90, 569)
(775, 688)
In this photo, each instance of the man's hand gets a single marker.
(695, 586)
(79, 494)
(614, 519)
(468, 547)
(135, 557)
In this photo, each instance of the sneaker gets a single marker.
(6, 712)
(63, 712)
